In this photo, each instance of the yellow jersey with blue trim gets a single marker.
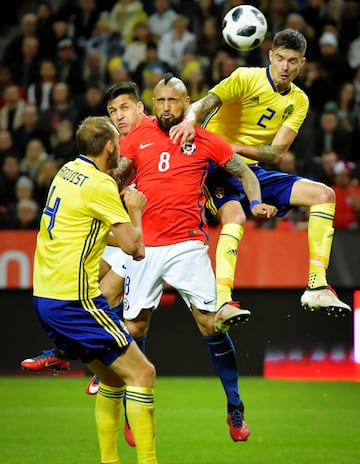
(253, 110)
(82, 204)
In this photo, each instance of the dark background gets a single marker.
(174, 344)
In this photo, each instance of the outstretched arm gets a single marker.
(241, 170)
(185, 130)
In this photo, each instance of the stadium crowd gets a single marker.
(54, 72)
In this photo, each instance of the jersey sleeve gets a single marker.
(229, 88)
(217, 148)
(296, 118)
(105, 203)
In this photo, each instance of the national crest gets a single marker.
(288, 111)
(219, 192)
(188, 148)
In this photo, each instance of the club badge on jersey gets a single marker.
(188, 148)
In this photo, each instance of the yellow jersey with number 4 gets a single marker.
(82, 204)
(252, 109)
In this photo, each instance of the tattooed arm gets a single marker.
(185, 130)
(268, 153)
(124, 172)
(241, 170)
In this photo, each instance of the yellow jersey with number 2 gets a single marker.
(252, 109)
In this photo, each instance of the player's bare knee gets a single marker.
(326, 195)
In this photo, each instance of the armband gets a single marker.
(254, 203)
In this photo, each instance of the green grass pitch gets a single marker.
(50, 420)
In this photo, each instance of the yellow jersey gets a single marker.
(81, 205)
(252, 109)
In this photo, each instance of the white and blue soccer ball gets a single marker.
(244, 27)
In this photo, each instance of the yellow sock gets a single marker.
(140, 411)
(320, 237)
(226, 258)
(108, 407)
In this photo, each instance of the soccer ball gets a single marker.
(244, 27)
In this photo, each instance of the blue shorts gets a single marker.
(276, 188)
(85, 330)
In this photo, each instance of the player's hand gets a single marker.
(133, 199)
(140, 253)
(183, 132)
(263, 210)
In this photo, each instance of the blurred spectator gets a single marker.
(7, 145)
(345, 106)
(349, 21)
(151, 63)
(27, 216)
(62, 107)
(24, 188)
(322, 168)
(47, 172)
(172, 44)
(63, 142)
(28, 28)
(109, 43)
(333, 61)
(195, 81)
(92, 103)
(11, 113)
(147, 92)
(35, 153)
(277, 12)
(29, 129)
(124, 15)
(296, 21)
(5, 80)
(39, 92)
(135, 50)
(347, 190)
(94, 68)
(161, 19)
(60, 30)
(45, 17)
(318, 87)
(209, 39)
(355, 142)
(314, 12)
(289, 164)
(225, 62)
(203, 10)
(83, 19)
(69, 67)
(9, 174)
(353, 54)
(26, 70)
(117, 71)
(331, 137)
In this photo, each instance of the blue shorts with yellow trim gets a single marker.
(221, 187)
(85, 330)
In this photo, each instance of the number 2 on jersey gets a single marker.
(261, 122)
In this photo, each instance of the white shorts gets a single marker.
(185, 266)
(116, 259)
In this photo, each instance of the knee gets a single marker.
(137, 329)
(327, 195)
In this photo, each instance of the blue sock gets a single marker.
(141, 343)
(223, 358)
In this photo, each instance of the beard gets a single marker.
(166, 124)
(113, 157)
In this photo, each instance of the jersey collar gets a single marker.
(87, 160)
(284, 92)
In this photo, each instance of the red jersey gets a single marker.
(172, 177)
